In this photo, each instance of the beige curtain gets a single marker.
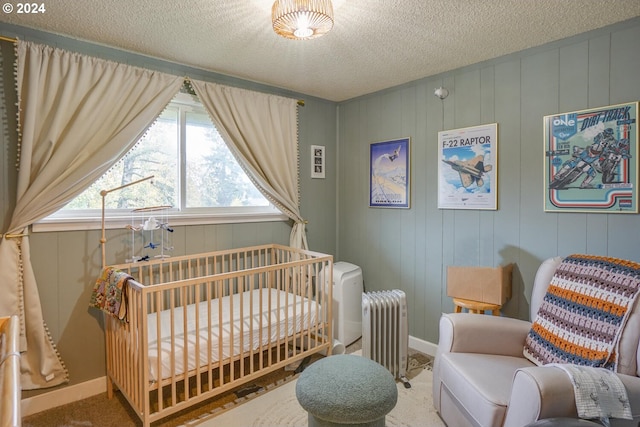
(262, 131)
(78, 116)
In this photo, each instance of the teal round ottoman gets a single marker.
(346, 390)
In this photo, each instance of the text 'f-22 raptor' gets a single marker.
(470, 170)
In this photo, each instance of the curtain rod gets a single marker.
(13, 40)
(300, 102)
(8, 39)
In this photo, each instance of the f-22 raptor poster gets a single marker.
(591, 160)
(468, 159)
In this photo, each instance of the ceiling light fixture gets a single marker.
(302, 19)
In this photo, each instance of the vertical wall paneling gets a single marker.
(420, 178)
(506, 238)
(515, 91)
(598, 95)
(407, 253)
(624, 63)
(573, 95)
(317, 126)
(486, 245)
(386, 231)
(347, 148)
(450, 105)
(466, 223)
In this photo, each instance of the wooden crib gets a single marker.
(10, 390)
(201, 325)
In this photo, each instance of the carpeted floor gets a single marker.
(99, 411)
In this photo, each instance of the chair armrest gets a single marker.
(540, 392)
(475, 333)
(632, 384)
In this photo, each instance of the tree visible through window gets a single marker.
(192, 166)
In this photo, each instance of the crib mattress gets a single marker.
(269, 315)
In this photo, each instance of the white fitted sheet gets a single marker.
(246, 333)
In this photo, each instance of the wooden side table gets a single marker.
(476, 306)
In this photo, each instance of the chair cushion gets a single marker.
(584, 312)
(563, 422)
(480, 383)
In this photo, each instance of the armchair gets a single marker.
(481, 378)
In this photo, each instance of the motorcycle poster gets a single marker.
(591, 162)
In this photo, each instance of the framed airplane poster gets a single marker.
(591, 160)
(389, 174)
(467, 168)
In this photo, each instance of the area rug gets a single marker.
(279, 407)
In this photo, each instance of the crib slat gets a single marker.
(209, 343)
(197, 337)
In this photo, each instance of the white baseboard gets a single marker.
(55, 398)
(423, 346)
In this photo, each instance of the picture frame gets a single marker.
(390, 173)
(468, 168)
(317, 161)
(591, 160)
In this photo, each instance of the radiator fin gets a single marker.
(385, 334)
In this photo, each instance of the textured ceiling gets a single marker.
(375, 44)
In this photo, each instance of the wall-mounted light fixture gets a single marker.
(441, 93)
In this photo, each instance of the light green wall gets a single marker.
(410, 249)
(66, 264)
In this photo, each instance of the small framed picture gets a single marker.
(389, 174)
(317, 161)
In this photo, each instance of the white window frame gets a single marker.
(91, 219)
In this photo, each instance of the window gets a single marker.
(194, 173)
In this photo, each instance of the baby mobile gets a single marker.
(153, 230)
(149, 226)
